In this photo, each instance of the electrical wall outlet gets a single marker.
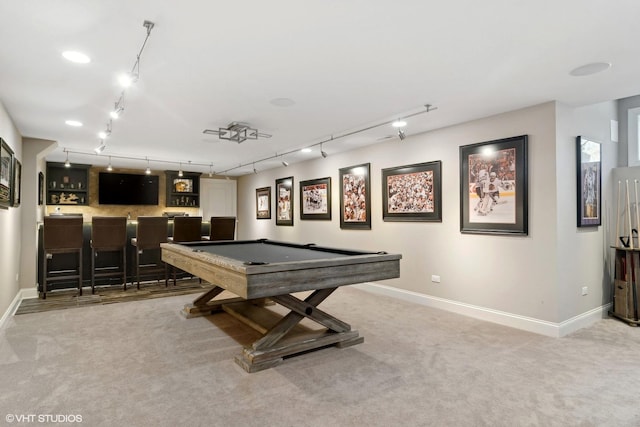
(585, 290)
(435, 279)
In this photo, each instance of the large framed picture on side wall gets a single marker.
(589, 180)
(355, 197)
(493, 187)
(284, 201)
(6, 174)
(412, 192)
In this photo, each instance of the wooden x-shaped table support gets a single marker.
(280, 339)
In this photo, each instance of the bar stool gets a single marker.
(61, 235)
(109, 234)
(185, 229)
(150, 232)
(222, 228)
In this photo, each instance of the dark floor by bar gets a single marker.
(60, 300)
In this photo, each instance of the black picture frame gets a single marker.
(355, 197)
(482, 211)
(40, 188)
(315, 199)
(263, 203)
(16, 192)
(412, 192)
(284, 201)
(589, 182)
(6, 174)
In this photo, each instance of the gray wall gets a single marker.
(526, 276)
(623, 106)
(10, 224)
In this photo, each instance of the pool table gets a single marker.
(263, 271)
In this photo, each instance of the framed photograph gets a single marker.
(355, 197)
(6, 174)
(284, 197)
(263, 203)
(182, 185)
(17, 183)
(315, 199)
(40, 188)
(412, 192)
(589, 181)
(493, 187)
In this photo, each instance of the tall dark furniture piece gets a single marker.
(150, 232)
(61, 235)
(108, 234)
(185, 229)
(222, 228)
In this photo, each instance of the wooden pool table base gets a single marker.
(283, 336)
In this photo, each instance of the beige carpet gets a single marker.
(142, 364)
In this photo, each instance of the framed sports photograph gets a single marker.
(315, 199)
(412, 192)
(263, 203)
(355, 197)
(17, 183)
(6, 174)
(493, 187)
(40, 188)
(589, 180)
(284, 199)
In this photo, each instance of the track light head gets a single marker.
(100, 148)
(401, 135)
(324, 153)
(285, 163)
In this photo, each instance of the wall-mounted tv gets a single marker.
(127, 189)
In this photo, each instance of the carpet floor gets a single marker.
(141, 363)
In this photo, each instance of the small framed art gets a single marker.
(412, 192)
(589, 180)
(355, 197)
(284, 198)
(315, 199)
(263, 203)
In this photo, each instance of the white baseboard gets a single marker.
(529, 324)
(22, 294)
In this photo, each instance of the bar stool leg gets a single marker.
(44, 276)
(138, 266)
(93, 270)
(80, 271)
(124, 266)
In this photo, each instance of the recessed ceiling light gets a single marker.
(399, 123)
(306, 150)
(589, 69)
(77, 57)
(73, 123)
(283, 102)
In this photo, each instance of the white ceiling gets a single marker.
(347, 64)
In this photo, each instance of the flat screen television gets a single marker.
(127, 189)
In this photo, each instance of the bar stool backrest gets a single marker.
(222, 228)
(62, 232)
(187, 228)
(151, 231)
(108, 232)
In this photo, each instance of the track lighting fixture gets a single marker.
(148, 170)
(99, 149)
(109, 168)
(401, 134)
(118, 108)
(254, 168)
(180, 174)
(211, 170)
(399, 123)
(322, 152)
(285, 163)
(66, 163)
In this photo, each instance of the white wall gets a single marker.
(538, 276)
(10, 224)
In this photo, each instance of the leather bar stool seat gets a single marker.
(109, 234)
(61, 235)
(185, 229)
(222, 228)
(150, 232)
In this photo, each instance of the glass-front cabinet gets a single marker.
(183, 191)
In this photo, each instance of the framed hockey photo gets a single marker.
(315, 199)
(493, 187)
(412, 192)
(17, 183)
(284, 199)
(6, 174)
(263, 203)
(355, 197)
(589, 180)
